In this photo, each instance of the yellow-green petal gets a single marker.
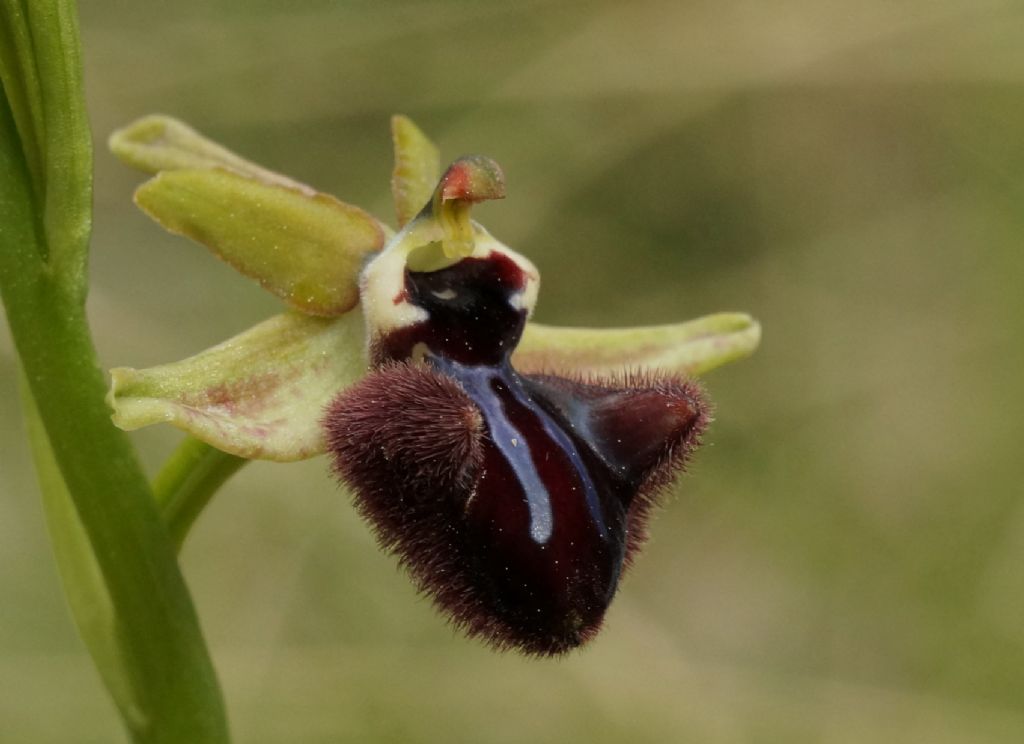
(259, 395)
(690, 348)
(307, 249)
(160, 143)
(417, 168)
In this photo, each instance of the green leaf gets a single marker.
(306, 249)
(83, 580)
(259, 395)
(417, 168)
(690, 348)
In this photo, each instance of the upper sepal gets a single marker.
(259, 395)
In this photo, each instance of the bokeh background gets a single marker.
(844, 562)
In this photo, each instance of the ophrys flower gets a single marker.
(511, 466)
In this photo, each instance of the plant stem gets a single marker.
(126, 591)
(188, 480)
(156, 625)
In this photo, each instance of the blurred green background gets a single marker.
(844, 562)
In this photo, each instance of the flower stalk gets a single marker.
(187, 482)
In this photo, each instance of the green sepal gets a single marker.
(259, 395)
(306, 249)
(690, 348)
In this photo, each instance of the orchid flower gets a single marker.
(511, 466)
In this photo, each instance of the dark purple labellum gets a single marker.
(514, 500)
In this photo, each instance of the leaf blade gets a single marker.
(85, 586)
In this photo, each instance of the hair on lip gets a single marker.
(415, 450)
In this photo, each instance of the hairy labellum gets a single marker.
(514, 500)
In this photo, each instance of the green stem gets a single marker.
(156, 626)
(188, 480)
(125, 588)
